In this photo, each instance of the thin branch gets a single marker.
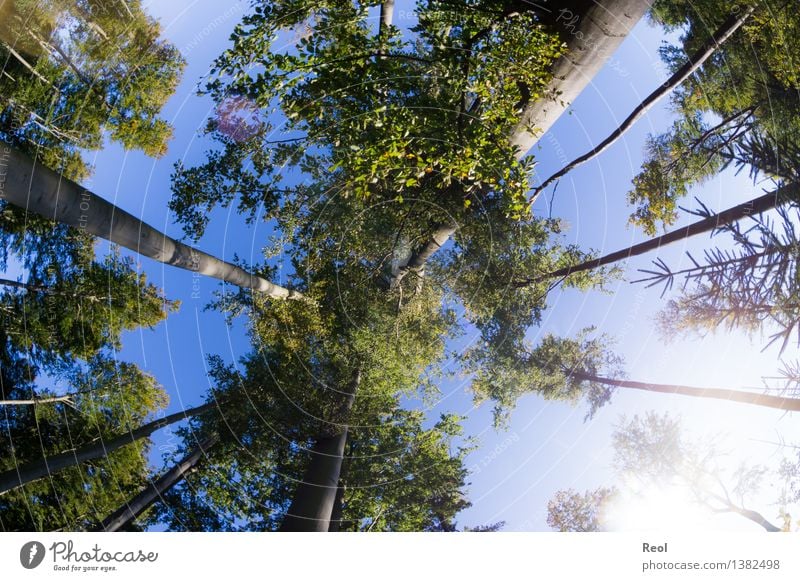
(694, 62)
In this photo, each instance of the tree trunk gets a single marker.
(756, 517)
(336, 512)
(28, 66)
(315, 496)
(593, 30)
(387, 11)
(42, 191)
(419, 258)
(125, 514)
(759, 399)
(729, 216)
(723, 33)
(32, 471)
(37, 400)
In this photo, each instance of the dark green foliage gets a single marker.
(109, 398)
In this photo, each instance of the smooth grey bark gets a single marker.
(154, 491)
(739, 212)
(37, 400)
(32, 471)
(593, 30)
(759, 399)
(419, 258)
(336, 512)
(693, 63)
(387, 12)
(314, 499)
(40, 190)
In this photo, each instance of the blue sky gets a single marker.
(547, 446)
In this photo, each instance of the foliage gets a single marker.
(740, 108)
(752, 286)
(109, 398)
(555, 369)
(652, 452)
(575, 512)
(397, 475)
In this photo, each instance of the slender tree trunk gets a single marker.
(37, 400)
(28, 66)
(42, 191)
(750, 208)
(32, 471)
(315, 496)
(764, 400)
(55, 49)
(154, 491)
(723, 33)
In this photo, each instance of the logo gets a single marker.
(31, 554)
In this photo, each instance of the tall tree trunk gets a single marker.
(593, 30)
(32, 471)
(752, 207)
(42, 191)
(154, 491)
(759, 399)
(315, 496)
(29, 66)
(723, 33)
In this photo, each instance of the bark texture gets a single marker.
(42, 191)
(126, 514)
(315, 497)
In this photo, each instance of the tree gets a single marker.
(125, 515)
(76, 70)
(48, 194)
(586, 369)
(25, 472)
(109, 397)
(651, 452)
(395, 474)
(726, 30)
(718, 126)
(709, 224)
(571, 511)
